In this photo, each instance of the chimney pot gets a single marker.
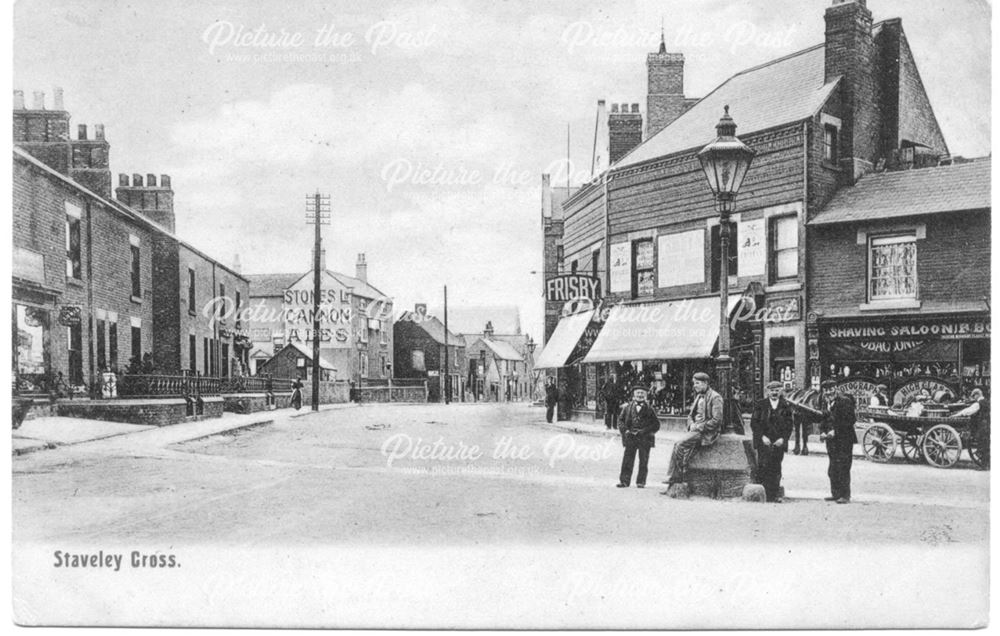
(600, 102)
(151, 180)
(635, 108)
(165, 181)
(38, 101)
(81, 132)
(614, 108)
(122, 180)
(18, 100)
(99, 131)
(137, 180)
(57, 97)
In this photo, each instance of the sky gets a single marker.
(429, 124)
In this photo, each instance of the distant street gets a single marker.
(456, 474)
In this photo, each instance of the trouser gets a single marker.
(769, 461)
(611, 415)
(549, 408)
(628, 460)
(681, 457)
(840, 471)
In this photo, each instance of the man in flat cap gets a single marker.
(704, 426)
(837, 430)
(771, 424)
(638, 425)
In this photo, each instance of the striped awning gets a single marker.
(563, 340)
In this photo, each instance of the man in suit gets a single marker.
(704, 426)
(771, 424)
(837, 430)
(551, 397)
(638, 425)
(613, 398)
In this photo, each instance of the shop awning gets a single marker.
(672, 330)
(563, 340)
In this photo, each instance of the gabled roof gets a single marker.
(434, 328)
(502, 350)
(307, 352)
(276, 284)
(914, 192)
(782, 91)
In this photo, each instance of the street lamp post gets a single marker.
(725, 162)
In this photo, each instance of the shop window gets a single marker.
(892, 270)
(193, 353)
(830, 150)
(643, 265)
(733, 250)
(136, 276)
(783, 360)
(784, 248)
(74, 340)
(192, 294)
(32, 325)
(73, 215)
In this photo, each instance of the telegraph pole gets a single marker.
(447, 376)
(317, 213)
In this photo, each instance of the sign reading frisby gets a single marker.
(572, 287)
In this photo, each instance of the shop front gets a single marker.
(564, 352)
(944, 354)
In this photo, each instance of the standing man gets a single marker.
(704, 424)
(979, 412)
(771, 424)
(551, 397)
(837, 429)
(613, 398)
(879, 398)
(638, 427)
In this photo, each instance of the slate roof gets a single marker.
(276, 284)
(434, 329)
(502, 350)
(964, 186)
(782, 91)
(307, 352)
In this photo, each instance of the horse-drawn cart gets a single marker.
(935, 438)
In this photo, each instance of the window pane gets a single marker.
(894, 268)
(788, 232)
(788, 263)
(644, 255)
(644, 283)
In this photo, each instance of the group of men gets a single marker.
(771, 424)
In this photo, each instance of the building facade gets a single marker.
(419, 346)
(87, 288)
(648, 229)
(500, 366)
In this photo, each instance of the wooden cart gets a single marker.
(936, 439)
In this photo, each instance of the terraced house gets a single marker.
(819, 120)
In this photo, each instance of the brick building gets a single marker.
(501, 366)
(419, 351)
(88, 278)
(355, 320)
(899, 274)
(647, 227)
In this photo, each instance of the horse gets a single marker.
(806, 411)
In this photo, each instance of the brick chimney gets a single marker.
(624, 130)
(665, 100)
(361, 269)
(155, 202)
(850, 54)
(488, 330)
(90, 158)
(43, 133)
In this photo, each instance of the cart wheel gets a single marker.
(942, 446)
(879, 443)
(911, 447)
(976, 454)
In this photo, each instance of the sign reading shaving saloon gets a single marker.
(572, 287)
(942, 329)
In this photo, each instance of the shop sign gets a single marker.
(862, 390)
(572, 287)
(783, 309)
(751, 248)
(943, 329)
(433, 374)
(621, 267)
(69, 315)
(906, 393)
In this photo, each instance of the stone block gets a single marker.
(678, 491)
(723, 469)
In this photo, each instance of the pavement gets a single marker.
(45, 433)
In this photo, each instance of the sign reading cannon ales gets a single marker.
(568, 287)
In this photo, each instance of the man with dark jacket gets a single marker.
(837, 430)
(551, 397)
(704, 427)
(638, 426)
(771, 424)
(613, 397)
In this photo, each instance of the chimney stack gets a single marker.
(624, 130)
(665, 99)
(362, 268)
(144, 196)
(850, 54)
(488, 330)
